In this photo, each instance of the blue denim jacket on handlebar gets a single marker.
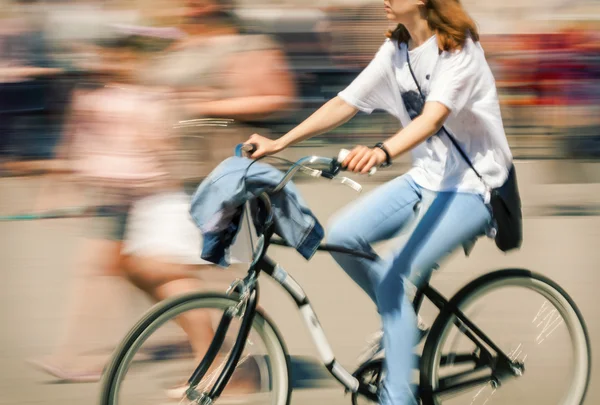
(218, 203)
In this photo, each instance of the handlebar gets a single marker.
(333, 165)
(245, 148)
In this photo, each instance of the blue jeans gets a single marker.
(444, 222)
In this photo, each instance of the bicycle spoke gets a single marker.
(260, 374)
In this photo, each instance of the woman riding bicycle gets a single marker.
(431, 74)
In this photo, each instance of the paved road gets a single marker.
(561, 241)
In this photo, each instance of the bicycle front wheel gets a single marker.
(528, 317)
(155, 360)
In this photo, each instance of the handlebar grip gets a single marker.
(249, 148)
(243, 149)
(344, 153)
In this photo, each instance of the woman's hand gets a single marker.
(361, 159)
(264, 146)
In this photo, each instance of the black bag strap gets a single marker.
(452, 139)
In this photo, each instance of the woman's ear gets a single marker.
(425, 4)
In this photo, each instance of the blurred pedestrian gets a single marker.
(117, 155)
(216, 73)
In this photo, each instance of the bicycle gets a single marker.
(458, 358)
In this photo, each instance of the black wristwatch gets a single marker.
(388, 158)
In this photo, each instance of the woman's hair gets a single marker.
(448, 19)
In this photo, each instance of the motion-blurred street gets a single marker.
(562, 234)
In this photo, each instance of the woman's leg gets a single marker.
(378, 216)
(450, 220)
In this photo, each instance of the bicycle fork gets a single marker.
(249, 303)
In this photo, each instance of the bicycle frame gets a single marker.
(501, 365)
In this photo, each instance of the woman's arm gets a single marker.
(361, 159)
(424, 126)
(330, 116)
(368, 92)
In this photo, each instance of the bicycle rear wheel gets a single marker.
(533, 321)
(155, 360)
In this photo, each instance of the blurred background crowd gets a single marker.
(137, 100)
(545, 56)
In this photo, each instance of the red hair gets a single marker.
(449, 20)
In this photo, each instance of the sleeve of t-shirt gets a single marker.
(370, 90)
(456, 77)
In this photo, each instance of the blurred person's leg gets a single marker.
(163, 259)
(161, 279)
(95, 305)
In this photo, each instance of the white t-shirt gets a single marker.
(462, 81)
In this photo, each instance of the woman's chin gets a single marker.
(390, 16)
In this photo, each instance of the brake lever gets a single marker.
(336, 167)
(332, 173)
(350, 183)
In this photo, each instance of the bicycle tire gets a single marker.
(167, 310)
(445, 320)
